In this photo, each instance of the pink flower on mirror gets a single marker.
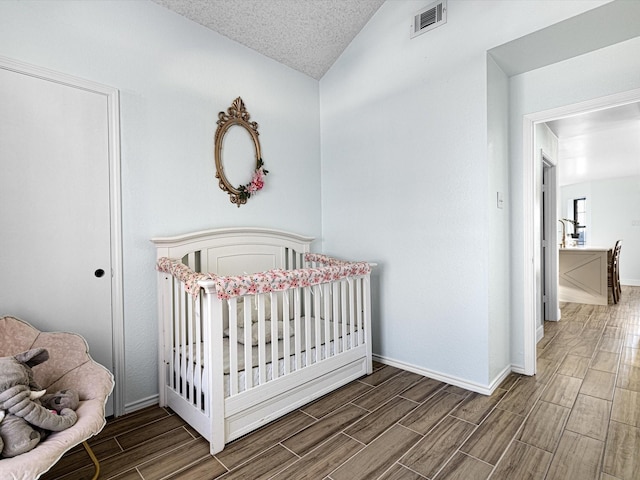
(257, 181)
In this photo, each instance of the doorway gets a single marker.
(61, 259)
(533, 204)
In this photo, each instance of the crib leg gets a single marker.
(92, 455)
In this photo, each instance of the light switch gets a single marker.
(500, 200)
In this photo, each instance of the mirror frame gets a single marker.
(238, 115)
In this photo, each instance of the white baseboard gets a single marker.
(142, 403)
(630, 282)
(458, 382)
(500, 378)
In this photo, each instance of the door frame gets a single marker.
(532, 205)
(551, 235)
(112, 99)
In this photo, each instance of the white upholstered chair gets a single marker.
(69, 367)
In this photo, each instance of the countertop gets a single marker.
(586, 249)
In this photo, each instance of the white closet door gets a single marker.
(55, 225)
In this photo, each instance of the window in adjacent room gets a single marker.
(580, 217)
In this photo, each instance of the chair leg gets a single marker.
(92, 455)
(611, 286)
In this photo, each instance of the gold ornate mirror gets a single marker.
(237, 138)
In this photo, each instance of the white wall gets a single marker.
(174, 77)
(599, 73)
(498, 218)
(406, 181)
(613, 212)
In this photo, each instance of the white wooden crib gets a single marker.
(223, 295)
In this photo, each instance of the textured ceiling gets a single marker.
(307, 35)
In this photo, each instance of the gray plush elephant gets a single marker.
(23, 419)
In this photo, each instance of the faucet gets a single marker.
(564, 234)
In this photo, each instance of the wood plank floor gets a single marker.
(577, 419)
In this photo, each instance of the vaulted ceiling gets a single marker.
(306, 35)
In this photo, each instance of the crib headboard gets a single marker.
(235, 251)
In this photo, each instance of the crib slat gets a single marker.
(233, 346)
(248, 361)
(183, 341)
(205, 382)
(317, 291)
(343, 318)
(175, 336)
(336, 318)
(189, 359)
(287, 335)
(292, 302)
(297, 332)
(274, 336)
(326, 312)
(359, 310)
(262, 361)
(352, 318)
(176, 331)
(197, 383)
(308, 329)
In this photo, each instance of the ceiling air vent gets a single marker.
(429, 17)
